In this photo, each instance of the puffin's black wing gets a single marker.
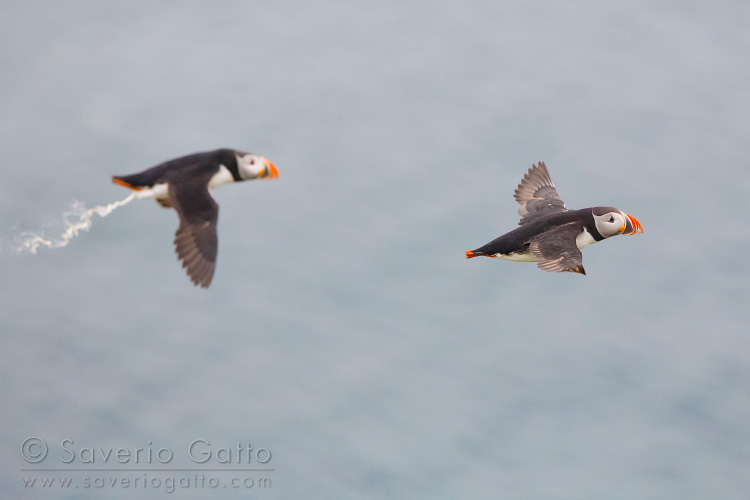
(557, 251)
(537, 194)
(196, 242)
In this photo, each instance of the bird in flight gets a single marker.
(549, 233)
(184, 183)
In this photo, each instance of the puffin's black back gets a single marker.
(518, 240)
(173, 170)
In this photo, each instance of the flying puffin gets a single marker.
(184, 183)
(550, 234)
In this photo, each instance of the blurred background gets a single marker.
(344, 331)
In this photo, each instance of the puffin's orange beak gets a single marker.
(632, 226)
(270, 172)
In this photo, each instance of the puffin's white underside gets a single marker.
(582, 240)
(516, 257)
(223, 176)
(156, 191)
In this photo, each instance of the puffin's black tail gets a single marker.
(474, 253)
(135, 181)
(147, 178)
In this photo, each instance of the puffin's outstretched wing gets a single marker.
(537, 194)
(196, 242)
(557, 251)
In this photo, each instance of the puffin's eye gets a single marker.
(611, 219)
(252, 161)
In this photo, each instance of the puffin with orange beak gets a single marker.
(184, 183)
(549, 233)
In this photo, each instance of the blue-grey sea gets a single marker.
(346, 348)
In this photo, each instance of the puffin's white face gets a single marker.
(611, 222)
(253, 166)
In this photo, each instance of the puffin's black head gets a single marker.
(610, 221)
(252, 166)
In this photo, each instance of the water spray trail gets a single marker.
(105, 211)
(76, 220)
